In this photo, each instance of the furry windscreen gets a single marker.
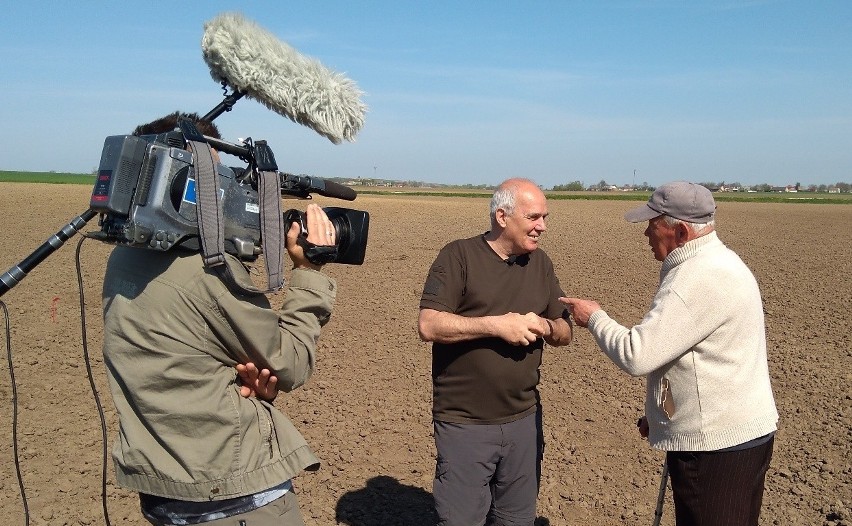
(250, 59)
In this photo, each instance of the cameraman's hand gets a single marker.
(320, 232)
(260, 383)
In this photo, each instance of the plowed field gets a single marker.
(366, 411)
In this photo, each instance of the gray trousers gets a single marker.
(488, 473)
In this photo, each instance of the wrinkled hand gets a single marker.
(522, 329)
(642, 424)
(581, 310)
(260, 383)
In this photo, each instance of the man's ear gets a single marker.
(682, 234)
(500, 216)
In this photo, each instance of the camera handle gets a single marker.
(317, 254)
(14, 275)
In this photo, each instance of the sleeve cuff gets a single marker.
(596, 316)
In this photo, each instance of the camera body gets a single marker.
(145, 192)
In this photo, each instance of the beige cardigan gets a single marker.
(702, 347)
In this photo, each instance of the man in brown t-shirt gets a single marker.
(489, 304)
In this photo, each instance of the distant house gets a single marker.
(833, 190)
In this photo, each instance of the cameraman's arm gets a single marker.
(284, 342)
(307, 303)
(307, 307)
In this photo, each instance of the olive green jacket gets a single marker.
(173, 333)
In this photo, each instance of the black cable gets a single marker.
(15, 414)
(92, 384)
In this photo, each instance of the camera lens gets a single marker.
(350, 231)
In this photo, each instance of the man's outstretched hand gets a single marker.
(581, 310)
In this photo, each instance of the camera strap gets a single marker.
(211, 224)
(210, 219)
(271, 227)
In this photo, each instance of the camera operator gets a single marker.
(193, 366)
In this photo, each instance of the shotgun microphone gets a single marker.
(305, 184)
(254, 62)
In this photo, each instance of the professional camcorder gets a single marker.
(151, 191)
(146, 194)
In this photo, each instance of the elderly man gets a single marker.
(702, 346)
(489, 304)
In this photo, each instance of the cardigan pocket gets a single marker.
(666, 400)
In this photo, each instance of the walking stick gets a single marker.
(658, 513)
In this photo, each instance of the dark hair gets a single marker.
(170, 122)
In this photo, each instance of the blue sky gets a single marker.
(471, 92)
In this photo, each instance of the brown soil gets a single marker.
(366, 411)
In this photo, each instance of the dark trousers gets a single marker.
(719, 488)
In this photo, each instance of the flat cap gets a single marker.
(688, 202)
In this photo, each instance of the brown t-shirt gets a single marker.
(488, 380)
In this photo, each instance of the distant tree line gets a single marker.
(843, 187)
(408, 183)
(766, 187)
(576, 186)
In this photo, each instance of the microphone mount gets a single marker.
(227, 103)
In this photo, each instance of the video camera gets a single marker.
(145, 192)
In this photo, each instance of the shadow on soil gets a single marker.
(385, 502)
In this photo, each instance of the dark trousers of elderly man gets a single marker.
(725, 485)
